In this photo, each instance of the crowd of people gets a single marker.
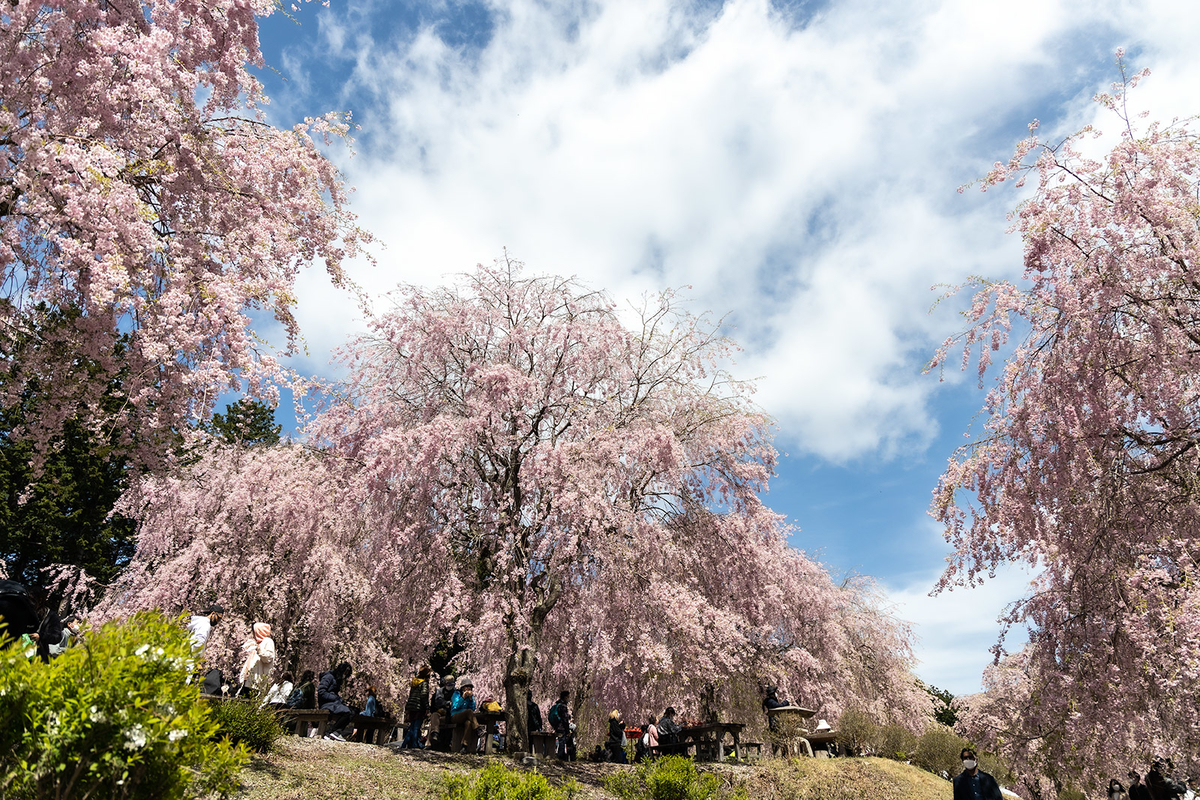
(438, 714)
(975, 784)
(444, 714)
(1162, 782)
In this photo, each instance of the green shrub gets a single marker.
(938, 750)
(856, 731)
(498, 782)
(895, 742)
(668, 778)
(247, 724)
(992, 765)
(111, 717)
(625, 785)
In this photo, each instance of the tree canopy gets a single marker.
(246, 422)
(572, 500)
(143, 194)
(1087, 470)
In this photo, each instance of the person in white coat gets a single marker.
(260, 659)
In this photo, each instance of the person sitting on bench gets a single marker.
(341, 715)
(668, 733)
(462, 717)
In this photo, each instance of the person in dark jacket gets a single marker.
(1137, 789)
(304, 694)
(972, 783)
(668, 733)
(770, 702)
(1161, 788)
(50, 631)
(616, 738)
(18, 611)
(534, 713)
(341, 715)
(439, 718)
(559, 718)
(417, 707)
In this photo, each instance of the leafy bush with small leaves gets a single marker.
(113, 716)
(785, 733)
(498, 782)
(895, 742)
(246, 723)
(857, 732)
(669, 778)
(938, 750)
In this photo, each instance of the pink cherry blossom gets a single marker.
(575, 501)
(146, 209)
(1086, 468)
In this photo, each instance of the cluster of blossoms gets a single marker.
(1088, 468)
(139, 224)
(573, 502)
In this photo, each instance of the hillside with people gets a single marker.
(682, 489)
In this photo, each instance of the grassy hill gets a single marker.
(314, 769)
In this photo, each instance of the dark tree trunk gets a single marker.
(519, 668)
(518, 674)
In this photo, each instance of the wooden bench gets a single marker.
(301, 720)
(373, 730)
(752, 751)
(543, 743)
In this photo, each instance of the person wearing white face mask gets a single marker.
(972, 783)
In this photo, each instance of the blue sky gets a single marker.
(796, 164)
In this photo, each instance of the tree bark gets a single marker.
(519, 668)
(518, 674)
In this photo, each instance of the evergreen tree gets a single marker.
(246, 423)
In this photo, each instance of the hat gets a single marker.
(822, 725)
(465, 683)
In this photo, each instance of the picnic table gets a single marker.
(709, 739)
(373, 730)
(301, 721)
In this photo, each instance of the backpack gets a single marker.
(212, 683)
(642, 748)
(555, 715)
(296, 698)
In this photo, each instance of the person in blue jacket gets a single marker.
(462, 717)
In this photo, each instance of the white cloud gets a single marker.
(956, 628)
(801, 180)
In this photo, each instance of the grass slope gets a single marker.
(314, 769)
